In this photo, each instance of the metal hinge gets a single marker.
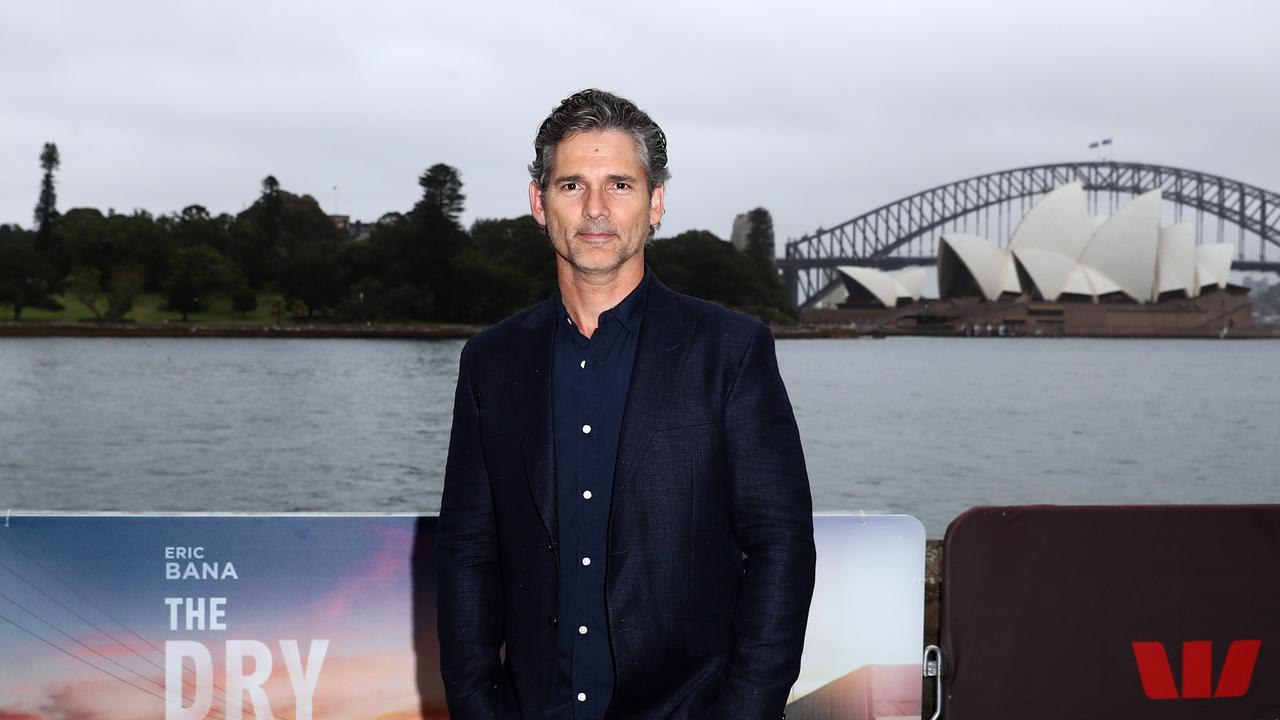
(933, 669)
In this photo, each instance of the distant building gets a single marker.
(359, 231)
(741, 229)
(1063, 273)
(1059, 252)
(1258, 285)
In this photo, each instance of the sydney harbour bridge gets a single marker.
(906, 232)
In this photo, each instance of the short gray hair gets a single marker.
(592, 109)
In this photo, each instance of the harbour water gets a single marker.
(925, 426)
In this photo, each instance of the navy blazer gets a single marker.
(711, 556)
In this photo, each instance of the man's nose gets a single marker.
(595, 205)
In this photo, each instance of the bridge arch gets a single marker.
(894, 235)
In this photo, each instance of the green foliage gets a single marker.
(520, 244)
(47, 243)
(27, 280)
(489, 291)
(86, 286)
(244, 300)
(280, 309)
(123, 288)
(278, 226)
(195, 273)
(408, 302)
(441, 192)
(360, 304)
(140, 242)
(760, 245)
(314, 278)
(271, 210)
(700, 264)
(47, 205)
(419, 265)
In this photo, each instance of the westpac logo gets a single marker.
(1197, 670)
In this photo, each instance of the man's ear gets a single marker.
(657, 204)
(535, 204)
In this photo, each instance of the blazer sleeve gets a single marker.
(773, 524)
(469, 578)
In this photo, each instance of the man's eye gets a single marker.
(569, 186)
(621, 186)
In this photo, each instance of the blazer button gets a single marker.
(551, 548)
(552, 621)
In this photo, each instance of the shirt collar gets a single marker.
(629, 311)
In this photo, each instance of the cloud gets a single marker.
(382, 575)
(16, 713)
(69, 703)
(818, 112)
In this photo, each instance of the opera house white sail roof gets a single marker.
(1058, 250)
(887, 288)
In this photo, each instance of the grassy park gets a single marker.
(146, 310)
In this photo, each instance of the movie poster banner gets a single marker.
(290, 616)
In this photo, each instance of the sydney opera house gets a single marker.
(1064, 272)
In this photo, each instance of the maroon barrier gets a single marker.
(1135, 612)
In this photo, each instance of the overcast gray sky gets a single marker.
(817, 111)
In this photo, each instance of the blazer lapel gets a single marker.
(665, 335)
(531, 395)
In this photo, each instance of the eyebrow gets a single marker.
(581, 179)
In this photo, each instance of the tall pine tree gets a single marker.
(47, 243)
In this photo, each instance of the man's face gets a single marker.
(597, 207)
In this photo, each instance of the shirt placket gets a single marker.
(588, 458)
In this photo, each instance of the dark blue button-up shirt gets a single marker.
(589, 384)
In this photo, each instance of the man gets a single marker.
(625, 503)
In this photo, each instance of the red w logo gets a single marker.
(1197, 670)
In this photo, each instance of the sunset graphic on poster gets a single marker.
(96, 588)
(315, 615)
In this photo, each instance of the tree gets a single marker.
(26, 278)
(83, 233)
(315, 278)
(487, 291)
(276, 227)
(140, 241)
(519, 244)
(760, 250)
(441, 192)
(195, 273)
(47, 244)
(86, 286)
(281, 308)
(124, 286)
(760, 244)
(109, 297)
(271, 209)
(244, 300)
(698, 263)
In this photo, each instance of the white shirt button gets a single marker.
(582, 697)
(582, 364)
(582, 629)
(586, 494)
(586, 561)
(586, 429)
